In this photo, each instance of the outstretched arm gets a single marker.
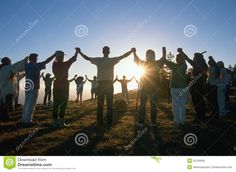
(83, 55)
(126, 54)
(49, 58)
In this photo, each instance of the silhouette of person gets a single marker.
(94, 86)
(79, 81)
(8, 85)
(198, 88)
(221, 88)
(212, 101)
(228, 82)
(19, 76)
(178, 84)
(150, 82)
(60, 70)
(124, 87)
(32, 76)
(48, 87)
(105, 75)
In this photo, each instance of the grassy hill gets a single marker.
(215, 137)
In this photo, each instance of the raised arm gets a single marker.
(135, 79)
(72, 78)
(186, 57)
(161, 61)
(87, 78)
(84, 81)
(137, 60)
(18, 66)
(83, 55)
(49, 58)
(131, 79)
(170, 64)
(43, 75)
(74, 57)
(126, 54)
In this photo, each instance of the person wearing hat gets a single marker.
(198, 83)
(79, 81)
(48, 87)
(60, 70)
(105, 76)
(32, 85)
(150, 81)
(8, 84)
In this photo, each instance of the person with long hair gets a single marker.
(178, 86)
(198, 83)
(212, 101)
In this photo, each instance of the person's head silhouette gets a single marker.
(220, 64)
(80, 79)
(106, 51)
(6, 61)
(94, 78)
(33, 57)
(150, 55)
(211, 61)
(180, 59)
(124, 77)
(48, 75)
(60, 56)
(198, 58)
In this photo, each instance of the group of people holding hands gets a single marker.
(208, 81)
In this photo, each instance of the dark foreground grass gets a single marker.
(213, 137)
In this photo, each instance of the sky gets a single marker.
(43, 26)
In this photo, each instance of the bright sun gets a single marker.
(130, 70)
(139, 72)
